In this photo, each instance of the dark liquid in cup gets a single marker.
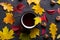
(28, 19)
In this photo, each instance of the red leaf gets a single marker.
(16, 28)
(51, 11)
(43, 31)
(19, 8)
(59, 10)
(44, 18)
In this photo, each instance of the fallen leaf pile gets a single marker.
(7, 33)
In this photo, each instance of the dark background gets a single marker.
(44, 3)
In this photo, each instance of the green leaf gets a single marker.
(24, 36)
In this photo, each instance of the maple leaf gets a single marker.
(38, 9)
(34, 32)
(7, 6)
(9, 18)
(53, 30)
(33, 1)
(37, 20)
(58, 1)
(24, 36)
(5, 34)
(58, 36)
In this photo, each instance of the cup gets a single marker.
(27, 20)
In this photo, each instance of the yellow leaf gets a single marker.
(53, 30)
(58, 1)
(34, 32)
(33, 1)
(7, 6)
(38, 9)
(9, 18)
(58, 37)
(37, 20)
(6, 34)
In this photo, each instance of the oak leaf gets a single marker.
(53, 30)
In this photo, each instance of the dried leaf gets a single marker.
(37, 20)
(44, 18)
(15, 28)
(19, 8)
(58, 37)
(34, 32)
(53, 30)
(6, 34)
(9, 18)
(7, 6)
(43, 31)
(38, 9)
(24, 36)
(58, 1)
(33, 1)
(59, 10)
(51, 11)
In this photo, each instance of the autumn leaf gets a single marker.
(58, 1)
(5, 34)
(53, 30)
(9, 18)
(33, 1)
(58, 37)
(58, 10)
(7, 6)
(34, 32)
(38, 9)
(37, 20)
(19, 8)
(24, 36)
(51, 12)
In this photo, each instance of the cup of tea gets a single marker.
(27, 20)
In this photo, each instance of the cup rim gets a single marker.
(28, 27)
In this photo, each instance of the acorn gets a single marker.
(52, 2)
(58, 18)
(46, 36)
(44, 24)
